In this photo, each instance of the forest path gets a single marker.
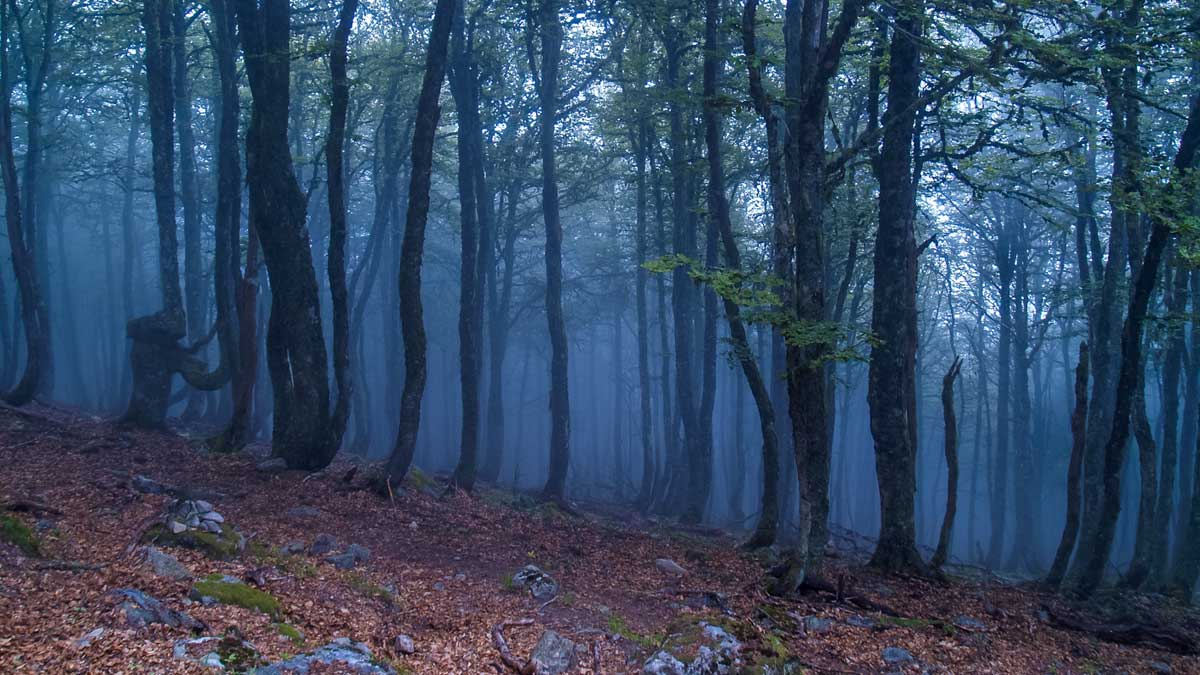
(440, 572)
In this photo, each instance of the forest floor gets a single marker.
(441, 571)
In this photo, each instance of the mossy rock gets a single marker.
(223, 546)
(14, 531)
(229, 591)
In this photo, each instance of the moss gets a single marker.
(916, 624)
(618, 626)
(14, 531)
(508, 584)
(235, 593)
(419, 480)
(290, 632)
(363, 584)
(224, 546)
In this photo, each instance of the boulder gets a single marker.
(896, 656)
(669, 567)
(88, 638)
(342, 656)
(541, 585)
(817, 624)
(404, 644)
(323, 544)
(140, 610)
(342, 561)
(662, 663)
(859, 621)
(553, 654)
(229, 652)
(147, 485)
(166, 565)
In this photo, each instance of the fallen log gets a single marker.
(506, 656)
(1133, 633)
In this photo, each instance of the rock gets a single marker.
(541, 585)
(177, 527)
(165, 564)
(895, 656)
(662, 663)
(817, 624)
(212, 516)
(272, 465)
(724, 642)
(709, 662)
(324, 543)
(303, 512)
(1159, 666)
(350, 657)
(359, 553)
(292, 548)
(44, 525)
(669, 567)
(969, 624)
(202, 506)
(404, 645)
(553, 654)
(228, 590)
(141, 610)
(342, 561)
(224, 544)
(229, 652)
(90, 637)
(210, 526)
(150, 486)
(861, 621)
(439, 586)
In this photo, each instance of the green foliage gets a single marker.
(223, 546)
(235, 593)
(14, 531)
(290, 632)
(618, 626)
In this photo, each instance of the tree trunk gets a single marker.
(412, 249)
(1078, 442)
(951, 444)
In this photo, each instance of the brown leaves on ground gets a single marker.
(439, 571)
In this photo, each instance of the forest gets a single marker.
(785, 305)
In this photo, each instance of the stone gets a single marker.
(229, 652)
(359, 553)
(141, 610)
(669, 567)
(817, 624)
(439, 586)
(541, 585)
(350, 657)
(553, 654)
(202, 506)
(292, 548)
(210, 526)
(324, 543)
(149, 486)
(303, 512)
(860, 621)
(88, 638)
(342, 561)
(1159, 666)
(165, 564)
(177, 527)
(404, 644)
(213, 516)
(272, 465)
(969, 624)
(662, 663)
(896, 656)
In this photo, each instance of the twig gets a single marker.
(67, 565)
(506, 655)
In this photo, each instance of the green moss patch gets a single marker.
(224, 546)
(230, 592)
(290, 632)
(14, 531)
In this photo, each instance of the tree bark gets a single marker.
(951, 446)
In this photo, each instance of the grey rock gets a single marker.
(967, 623)
(44, 525)
(553, 654)
(90, 637)
(541, 585)
(896, 656)
(350, 657)
(1159, 666)
(272, 465)
(202, 506)
(709, 662)
(165, 564)
(860, 621)
(817, 624)
(359, 553)
(292, 548)
(149, 486)
(141, 610)
(303, 512)
(213, 651)
(212, 516)
(404, 644)
(663, 663)
(725, 643)
(669, 567)
(210, 526)
(439, 586)
(177, 527)
(193, 521)
(342, 561)
(324, 543)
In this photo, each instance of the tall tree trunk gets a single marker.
(893, 316)
(1171, 375)
(641, 141)
(336, 179)
(551, 35)
(296, 356)
(1074, 468)
(413, 247)
(24, 268)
